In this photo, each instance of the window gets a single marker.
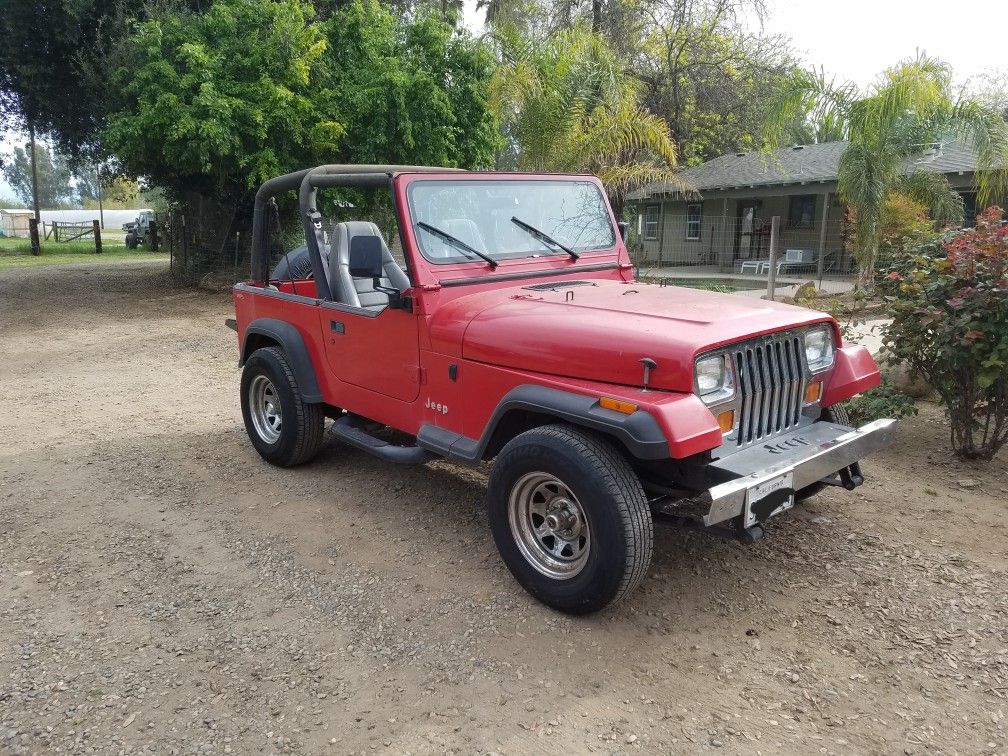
(651, 222)
(801, 212)
(457, 220)
(694, 218)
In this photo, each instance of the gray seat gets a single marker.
(360, 292)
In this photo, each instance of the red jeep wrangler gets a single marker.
(516, 332)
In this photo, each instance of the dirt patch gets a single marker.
(162, 588)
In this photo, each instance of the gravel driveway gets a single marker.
(163, 589)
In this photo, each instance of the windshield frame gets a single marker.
(547, 257)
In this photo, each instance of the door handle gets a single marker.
(336, 326)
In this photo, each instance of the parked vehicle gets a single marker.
(138, 231)
(517, 334)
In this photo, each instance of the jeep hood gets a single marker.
(601, 330)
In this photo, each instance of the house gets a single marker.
(725, 223)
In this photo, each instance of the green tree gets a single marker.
(222, 100)
(568, 106)
(55, 60)
(911, 107)
(54, 188)
(413, 93)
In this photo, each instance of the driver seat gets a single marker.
(360, 292)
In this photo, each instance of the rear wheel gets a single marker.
(283, 428)
(570, 518)
(835, 414)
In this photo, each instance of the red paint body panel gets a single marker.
(588, 340)
(605, 330)
(854, 372)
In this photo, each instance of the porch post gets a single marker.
(822, 236)
(724, 254)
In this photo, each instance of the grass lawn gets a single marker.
(16, 253)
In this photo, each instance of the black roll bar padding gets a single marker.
(260, 244)
(335, 175)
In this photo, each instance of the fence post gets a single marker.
(97, 236)
(36, 248)
(772, 273)
(234, 273)
(171, 245)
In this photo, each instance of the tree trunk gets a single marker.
(597, 16)
(34, 170)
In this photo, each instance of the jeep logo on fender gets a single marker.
(789, 443)
(436, 406)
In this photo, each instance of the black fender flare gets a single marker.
(292, 343)
(638, 431)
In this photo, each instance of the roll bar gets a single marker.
(307, 182)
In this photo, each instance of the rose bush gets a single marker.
(948, 298)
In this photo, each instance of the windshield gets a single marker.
(461, 221)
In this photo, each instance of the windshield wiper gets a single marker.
(544, 236)
(456, 242)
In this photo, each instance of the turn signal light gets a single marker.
(726, 420)
(618, 405)
(813, 392)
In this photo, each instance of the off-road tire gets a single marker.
(295, 264)
(131, 241)
(302, 422)
(612, 499)
(836, 414)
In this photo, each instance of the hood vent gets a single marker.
(558, 285)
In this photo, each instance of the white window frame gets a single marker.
(693, 234)
(651, 226)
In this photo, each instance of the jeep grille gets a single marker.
(771, 376)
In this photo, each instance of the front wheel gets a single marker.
(284, 428)
(570, 518)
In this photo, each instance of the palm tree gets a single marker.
(567, 106)
(910, 108)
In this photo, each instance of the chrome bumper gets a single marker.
(810, 454)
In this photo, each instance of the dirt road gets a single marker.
(162, 589)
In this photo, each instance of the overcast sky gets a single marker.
(856, 39)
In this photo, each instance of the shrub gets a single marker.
(882, 401)
(949, 303)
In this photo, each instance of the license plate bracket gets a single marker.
(769, 498)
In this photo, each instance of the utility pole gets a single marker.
(34, 169)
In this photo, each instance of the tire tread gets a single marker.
(623, 487)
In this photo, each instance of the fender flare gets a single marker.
(639, 432)
(294, 349)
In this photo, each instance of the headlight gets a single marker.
(714, 379)
(819, 349)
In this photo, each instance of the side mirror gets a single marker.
(623, 226)
(366, 257)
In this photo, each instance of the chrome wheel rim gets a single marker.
(549, 525)
(264, 407)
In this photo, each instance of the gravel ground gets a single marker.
(162, 589)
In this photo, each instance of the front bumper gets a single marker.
(810, 454)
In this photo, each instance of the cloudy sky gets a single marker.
(856, 39)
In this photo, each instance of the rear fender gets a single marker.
(268, 332)
(854, 371)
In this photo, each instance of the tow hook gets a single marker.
(851, 477)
